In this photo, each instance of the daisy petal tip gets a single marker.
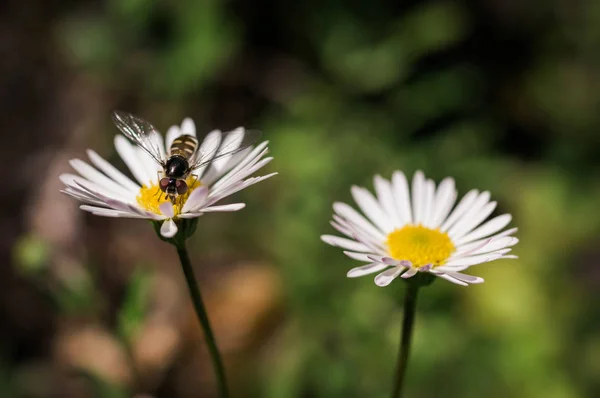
(352, 274)
(166, 209)
(410, 273)
(64, 178)
(386, 277)
(327, 239)
(426, 268)
(382, 282)
(168, 229)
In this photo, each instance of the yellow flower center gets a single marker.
(420, 245)
(151, 197)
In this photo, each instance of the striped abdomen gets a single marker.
(184, 146)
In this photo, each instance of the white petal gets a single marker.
(112, 171)
(370, 207)
(221, 166)
(365, 270)
(464, 205)
(232, 140)
(508, 232)
(340, 228)
(101, 211)
(359, 256)
(428, 203)
(172, 133)
(492, 226)
(241, 174)
(444, 200)
(97, 177)
(470, 221)
(402, 197)
(344, 243)
(190, 215)
(93, 189)
(82, 196)
(196, 199)
(251, 159)
(229, 207)
(485, 246)
(188, 127)
(117, 204)
(166, 209)
(130, 157)
(209, 147)
(418, 196)
(465, 278)
(359, 235)
(472, 212)
(151, 168)
(358, 220)
(411, 272)
(168, 229)
(386, 277)
(383, 188)
(160, 144)
(451, 279)
(215, 197)
(471, 260)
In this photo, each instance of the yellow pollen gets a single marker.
(150, 198)
(420, 245)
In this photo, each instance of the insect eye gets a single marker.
(181, 187)
(163, 184)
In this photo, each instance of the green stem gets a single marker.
(203, 318)
(410, 305)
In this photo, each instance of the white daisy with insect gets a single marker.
(176, 178)
(405, 231)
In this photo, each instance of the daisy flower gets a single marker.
(105, 191)
(407, 232)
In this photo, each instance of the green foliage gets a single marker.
(367, 89)
(102, 388)
(133, 310)
(31, 254)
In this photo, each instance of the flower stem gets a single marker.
(203, 318)
(410, 305)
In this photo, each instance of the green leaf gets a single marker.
(133, 310)
(102, 388)
(31, 254)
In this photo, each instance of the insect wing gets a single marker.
(142, 133)
(231, 143)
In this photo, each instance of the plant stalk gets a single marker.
(203, 318)
(408, 321)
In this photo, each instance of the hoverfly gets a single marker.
(184, 155)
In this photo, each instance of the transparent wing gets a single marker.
(231, 143)
(140, 132)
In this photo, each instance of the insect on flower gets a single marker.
(176, 177)
(183, 157)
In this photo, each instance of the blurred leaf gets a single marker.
(104, 389)
(31, 254)
(133, 309)
(90, 42)
(432, 27)
(203, 40)
(77, 296)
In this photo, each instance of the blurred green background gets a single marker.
(502, 95)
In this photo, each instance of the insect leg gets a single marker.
(196, 178)
(158, 192)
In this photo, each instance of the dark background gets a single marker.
(502, 95)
